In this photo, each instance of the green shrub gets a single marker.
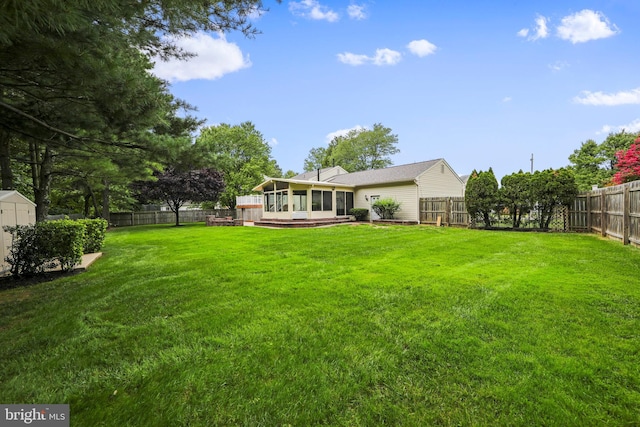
(95, 230)
(386, 208)
(61, 241)
(38, 247)
(359, 213)
(25, 257)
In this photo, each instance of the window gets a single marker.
(269, 202)
(316, 200)
(321, 200)
(327, 199)
(340, 205)
(300, 200)
(344, 202)
(276, 197)
(282, 201)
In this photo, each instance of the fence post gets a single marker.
(626, 217)
(447, 213)
(589, 229)
(603, 218)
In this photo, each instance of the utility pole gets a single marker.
(531, 162)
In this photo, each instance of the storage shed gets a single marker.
(15, 209)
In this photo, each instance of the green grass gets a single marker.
(349, 325)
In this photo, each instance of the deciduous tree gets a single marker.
(241, 153)
(175, 188)
(594, 164)
(628, 166)
(358, 150)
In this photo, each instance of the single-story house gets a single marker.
(15, 209)
(333, 192)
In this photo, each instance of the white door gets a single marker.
(372, 214)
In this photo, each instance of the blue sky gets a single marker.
(481, 84)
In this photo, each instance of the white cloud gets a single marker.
(382, 57)
(609, 99)
(421, 48)
(312, 9)
(558, 65)
(215, 58)
(357, 12)
(272, 142)
(353, 59)
(541, 31)
(342, 132)
(632, 127)
(584, 26)
(386, 57)
(506, 99)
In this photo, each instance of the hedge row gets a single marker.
(36, 248)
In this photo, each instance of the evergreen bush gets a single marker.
(95, 230)
(61, 241)
(42, 246)
(386, 208)
(25, 257)
(359, 213)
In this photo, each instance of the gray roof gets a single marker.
(310, 176)
(402, 173)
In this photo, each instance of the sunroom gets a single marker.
(297, 199)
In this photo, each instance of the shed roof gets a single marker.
(401, 173)
(14, 197)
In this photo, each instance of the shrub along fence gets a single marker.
(123, 219)
(452, 212)
(611, 212)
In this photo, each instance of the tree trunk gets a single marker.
(94, 201)
(41, 167)
(5, 161)
(85, 210)
(105, 200)
(487, 220)
(514, 217)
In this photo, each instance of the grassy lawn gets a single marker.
(348, 325)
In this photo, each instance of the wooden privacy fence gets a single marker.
(123, 219)
(612, 212)
(449, 211)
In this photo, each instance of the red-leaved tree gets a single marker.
(176, 188)
(628, 167)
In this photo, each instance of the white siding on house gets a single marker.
(440, 181)
(405, 194)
